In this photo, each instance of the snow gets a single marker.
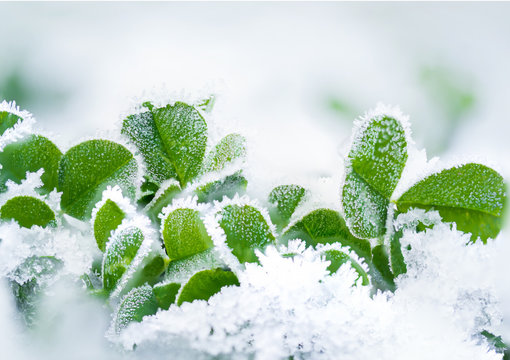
(22, 128)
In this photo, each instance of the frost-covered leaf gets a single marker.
(29, 279)
(398, 265)
(246, 230)
(138, 303)
(373, 168)
(338, 258)
(207, 105)
(472, 195)
(497, 343)
(166, 294)
(27, 211)
(119, 254)
(168, 191)
(108, 218)
(326, 226)
(285, 199)
(181, 270)
(8, 120)
(88, 168)
(184, 234)
(205, 284)
(30, 155)
(231, 148)
(216, 190)
(171, 139)
(143, 131)
(380, 269)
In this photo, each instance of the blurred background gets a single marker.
(291, 76)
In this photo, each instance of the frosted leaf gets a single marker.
(471, 195)
(373, 168)
(337, 258)
(108, 214)
(30, 155)
(228, 186)
(166, 193)
(205, 284)
(172, 140)
(149, 261)
(14, 123)
(27, 211)
(245, 228)
(88, 168)
(232, 148)
(181, 270)
(119, 254)
(184, 234)
(323, 226)
(285, 199)
(166, 294)
(138, 303)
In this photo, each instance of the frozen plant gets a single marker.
(158, 225)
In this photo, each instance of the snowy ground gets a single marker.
(291, 77)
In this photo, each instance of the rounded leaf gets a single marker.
(108, 218)
(338, 258)
(27, 211)
(373, 168)
(246, 230)
(30, 154)
(88, 168)
(205, 284)
(472, 195)
(184, 234)
(232, 147)
(285, 199)
(138, 303)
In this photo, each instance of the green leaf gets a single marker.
(373, 168)
(27, 211)
(8, 120)
(88, 168)
(172, 141)
(338, 258)
(184, 234)
(205, 284)
(231, 148)
(30, 154)
(137, 304)
(325, 226)
(162, 199)
(143, 131)
(246, 230)
(216, 190)
(108, 218)
(497, 343)
(285, 198)
(119, 254)
(380, 269)
(166, 294)
(472, 195)
(398, 265)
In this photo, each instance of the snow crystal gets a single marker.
(21, 129)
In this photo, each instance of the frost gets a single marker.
(114, 194)
(21, 128)
(291, 307)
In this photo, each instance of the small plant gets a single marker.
(172, 223)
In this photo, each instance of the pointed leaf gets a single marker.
(108, 218)
(373, 168)
(246, 230)
(184, 234)
(30, 154)
(205, 284)
(472, 195)
(27, 211)
(88, 168)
